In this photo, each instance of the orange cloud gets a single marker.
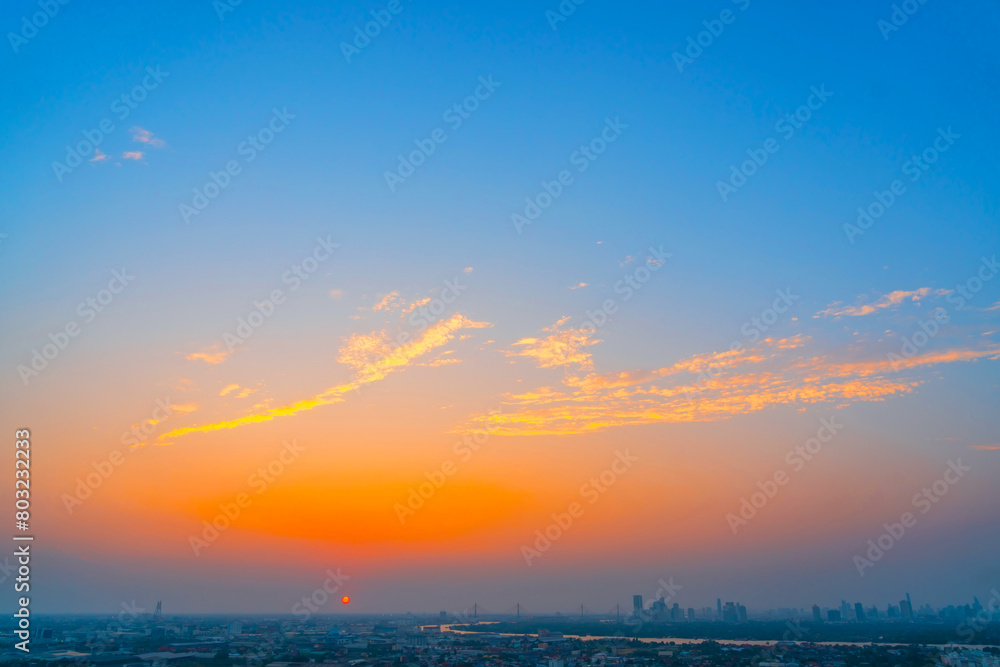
(243, 391)
(705, 387)
(387, 302)
(578, 286)
(372, 358)
(210, 355)
(562, 347)
(146, 137)
(133, 155)
(99, 156)
(890, 300)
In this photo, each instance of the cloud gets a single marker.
(372, 359)
(987, 447)
(467, 269)
(416, 304)
(705, 387)
(337, 294)
(561, 347)
(99, 156)
(146, 137)
(243, 392)
(210, 355)
(388, 301)
(578, 286)
(184, 407)
(890, 300)
(995, 306)
(133, 155)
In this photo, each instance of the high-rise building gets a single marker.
(817, 615)
(845, 610)
(690, 613)
(833, 615)
(906, 610)
(637, 604)
(742, 613)
(859, 612)
(718, 606)
(729, 613)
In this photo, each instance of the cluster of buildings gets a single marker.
(423, 642)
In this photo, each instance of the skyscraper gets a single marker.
(859, 612)
(817, 615)
(637, 604)
(718, 606)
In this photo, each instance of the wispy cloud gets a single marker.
(890, 300)
(133, 155)
(236, 390)
(146, 137)
(703, 387)
(210, 355)
(371, 357)
(99, 156)
(987, 447)
(578, 286)
(388, 301)
(561, 347)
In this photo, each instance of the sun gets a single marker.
(345, 599)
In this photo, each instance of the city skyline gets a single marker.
(541, 304)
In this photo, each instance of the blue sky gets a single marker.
(655, 185)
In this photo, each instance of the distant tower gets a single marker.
(637, 604)
(718, 606)
(158, 613)
(817, 616)
(859, 612)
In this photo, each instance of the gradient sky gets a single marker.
(510, 359)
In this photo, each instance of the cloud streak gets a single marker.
(372, 359)
(890, 300)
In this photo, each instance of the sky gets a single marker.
(529, 303)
